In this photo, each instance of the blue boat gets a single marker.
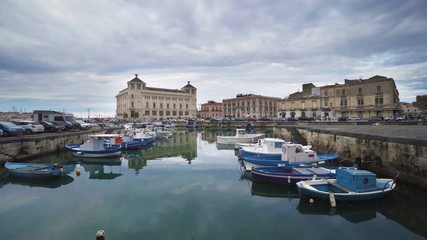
(38, 170)
(290, 174)
(349, 185)
(291, 154)
(95, 147)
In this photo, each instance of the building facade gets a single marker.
(359, 98)
(138, 101)
(211, 109)
(250, 105)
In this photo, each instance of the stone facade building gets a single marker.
(211, 109)
(139, 101)
(250, 105)
(359, 98)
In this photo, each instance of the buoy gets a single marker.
(100, 235)
(78, 172)
(332, 200)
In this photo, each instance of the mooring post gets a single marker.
(100, 235)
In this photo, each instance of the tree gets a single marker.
(125, 115)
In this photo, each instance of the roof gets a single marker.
(136, 79)
(188, 85)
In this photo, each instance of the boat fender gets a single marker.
(332, 199)
(289, 179)
(78, 172)
(314, 177)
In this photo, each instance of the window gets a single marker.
(360, 102)
(378, 89)
(378, 102)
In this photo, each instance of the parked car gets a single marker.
(11, 129)
(353, 119)
(29, 126)
(342, 119)
(83, 124)
(375, 119)
(51, 126)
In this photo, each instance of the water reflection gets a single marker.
(103, 171)
(355, 212)
(42, 183)
(272, 190)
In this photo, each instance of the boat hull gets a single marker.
(289, 175)
(322, 188)
(37, 170)
(107, 152)
(261, 161)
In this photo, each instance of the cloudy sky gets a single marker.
(76, 55)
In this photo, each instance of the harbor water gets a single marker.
(190, 188)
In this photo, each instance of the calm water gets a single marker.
(186, 188)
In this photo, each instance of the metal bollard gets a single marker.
(100, 235)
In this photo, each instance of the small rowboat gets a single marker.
(38, 170)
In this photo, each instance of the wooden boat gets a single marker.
(290, 174)
(291, 154)
(38, 170)
(240, 137)
(95, 147)
(349, 185)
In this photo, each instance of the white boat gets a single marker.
(240, 137)
(291, 154)
(270, 148)
(95, 146)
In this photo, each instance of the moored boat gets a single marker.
(291, 154)
(290, 174)
(349, 185)
(38, 170)
(240, 137)
(95, 146)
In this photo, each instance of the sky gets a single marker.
(76, 55)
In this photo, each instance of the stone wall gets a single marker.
(384, 157)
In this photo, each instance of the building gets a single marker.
(250, 105)
(359, 98)
(211, 109)
(139, 101)
(410, 111)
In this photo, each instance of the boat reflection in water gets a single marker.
(274, 190)
(354, 212)
(41, 183)
(102, 169)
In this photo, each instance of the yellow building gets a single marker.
(139, 101)
(250, 105)
(359, 98)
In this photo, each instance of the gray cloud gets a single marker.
(84, 46)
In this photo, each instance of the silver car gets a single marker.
(29, 126)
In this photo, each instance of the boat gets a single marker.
(349, 185)
(38, 170)
(240, 137)
(291, 154)
(290, 174)
(95, 147)
(268, 148)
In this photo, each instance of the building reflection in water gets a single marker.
(181, 144)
